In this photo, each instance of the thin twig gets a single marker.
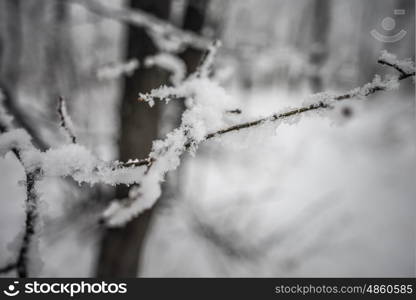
(20, 119)
(403, 74)
(275, 117)
(30, 223)
(31, 215)
(21, 264)
(65, 121)
(157, 27)
(8, 268)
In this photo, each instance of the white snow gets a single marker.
(16, 138)
(169, 62)
(112, 71)
(406, 65)
(296, 196)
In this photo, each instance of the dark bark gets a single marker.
(121, 248)
(194, 21)
(320, 34)
(60, 77)
(10, 44)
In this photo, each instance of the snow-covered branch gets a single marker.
(205, 103)
(17, 140)
(116, 70)
(19, 118)
(167, 36)
(169, 62)
(30, 222)
(204, 118)
(406, 67)
(64, 120)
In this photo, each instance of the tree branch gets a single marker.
(8, 268)
(65, 120)
(403, 73)
(156, 27)
(20, 119)
(167, 153)
(30, 223)
(366, 90)
(22, 259)
(21, 264)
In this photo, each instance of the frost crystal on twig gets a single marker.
(65, 120)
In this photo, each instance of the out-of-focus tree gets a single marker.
(121, 247)
(319, 47)
(10, 44)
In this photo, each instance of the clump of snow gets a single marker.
(68, 160)
(169, 62)
(406, 65)
(113, 71)
(72, 160)
(206, 106)
(166, 155)
(83, 166)
(206, 103)
(323, 97)
(14, 139)
(204, 113)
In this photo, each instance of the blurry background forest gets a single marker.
(332, 195)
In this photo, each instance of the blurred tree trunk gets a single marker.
(10, 45)
(60, 72)
(11, 54)
(194, 21)
(121, 248)
(320, 34)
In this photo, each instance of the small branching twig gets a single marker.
(21, 263)
(65, 120)
(236, 111)
(157, 27)
(8, 268)
(403, 73)
(365, 91)
(30, 223)
(20, 119)
(168, 153)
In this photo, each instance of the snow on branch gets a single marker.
(116, 70)
(65, 121)
(6, 121)
(208, 60)
(30, 223)
(205, 103)
(167, 36)
(8, 268)
(169, 62)
(405, 67)
(11, 113)
(204, 118)
(18, 140)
